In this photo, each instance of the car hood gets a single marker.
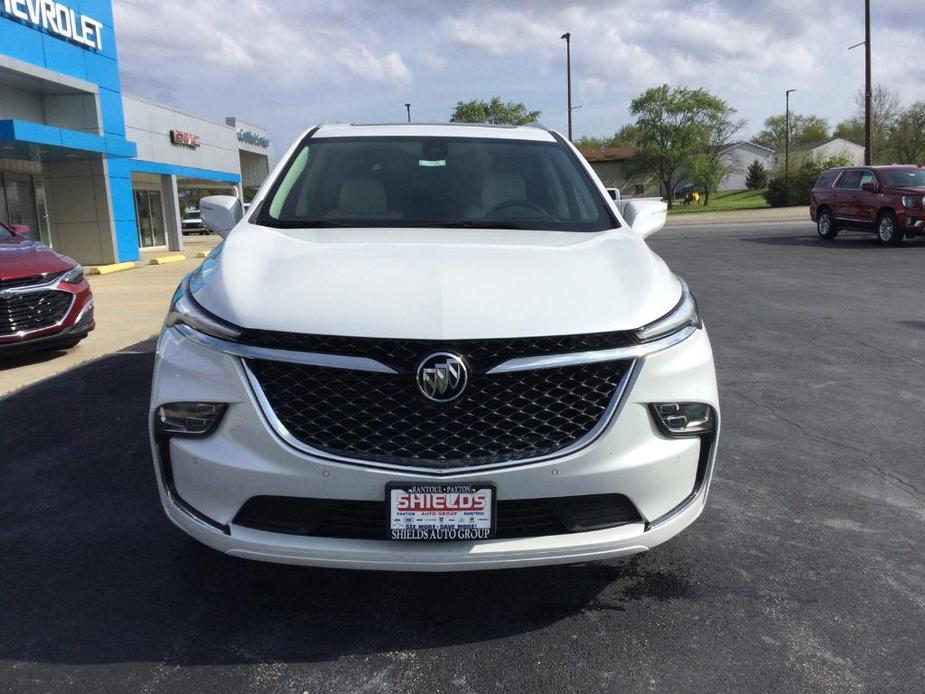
(908, 190)
(435, 283)
(23, 257)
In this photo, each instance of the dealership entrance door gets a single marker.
(22, 201)
(149, 211)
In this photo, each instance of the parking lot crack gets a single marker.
(868, 456)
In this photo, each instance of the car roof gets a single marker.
(535, 133)
(878, 167)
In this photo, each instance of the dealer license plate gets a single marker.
(441, 511)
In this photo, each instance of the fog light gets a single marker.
(188, 418)
(684, 418)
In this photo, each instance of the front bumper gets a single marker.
(913, 224)
(205, 482)
(76, 322)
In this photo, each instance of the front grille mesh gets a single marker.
(382, 417)
(32, 310)
(403, 355)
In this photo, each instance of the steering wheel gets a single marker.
(517, 203)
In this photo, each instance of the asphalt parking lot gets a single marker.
(806, 572)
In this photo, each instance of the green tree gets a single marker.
(708, 167)
(907, 139)
(803, 130)
(627, 136)
(851, 129)
(706, 171)
(495, 112)
(757, 176)
(674, 127)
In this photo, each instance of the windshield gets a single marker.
(435, 182)
(903, 178)
(191, 215)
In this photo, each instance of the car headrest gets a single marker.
(505, 187)
(362, 196)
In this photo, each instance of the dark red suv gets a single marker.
(885, 200)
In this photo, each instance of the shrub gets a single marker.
(757, 176)
(802, 179)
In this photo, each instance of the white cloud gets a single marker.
(268, 41)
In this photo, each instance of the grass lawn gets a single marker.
(721, 202)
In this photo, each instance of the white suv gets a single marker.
(435, 348)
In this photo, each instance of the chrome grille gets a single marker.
(28, 311)
(29, 281)
(379, 417)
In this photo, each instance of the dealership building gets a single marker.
(94, 173)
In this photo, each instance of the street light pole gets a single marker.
(408, 109)
(568, 70)
(787, 146)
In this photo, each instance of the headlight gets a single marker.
(684, 314)
(913, 201)
(74, 276)
(185, 310)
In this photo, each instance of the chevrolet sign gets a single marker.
(57, 19)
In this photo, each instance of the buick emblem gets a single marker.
(442, 377)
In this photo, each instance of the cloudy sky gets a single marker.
(289, 64)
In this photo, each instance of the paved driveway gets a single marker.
(806, 572)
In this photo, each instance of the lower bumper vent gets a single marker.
(366, 520)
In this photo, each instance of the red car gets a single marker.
(885, 200)
(45, 302)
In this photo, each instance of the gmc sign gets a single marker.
(184, 139)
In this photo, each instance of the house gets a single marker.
(822, 151)
(613, 166)
(737, 157)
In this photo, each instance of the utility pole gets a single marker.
(868, 91)
(868, 88)
(787, 147)
(568, 71)
(408, 109)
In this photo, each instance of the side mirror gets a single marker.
(869, 187)
(21, 229)
(645, 216)
(220, 213)
(614, 194)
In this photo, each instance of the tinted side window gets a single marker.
(850, 179)
(827, 179)
(867, 177)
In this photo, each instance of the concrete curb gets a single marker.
(109, 269)
(165, 259)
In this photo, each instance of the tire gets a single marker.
(825, 225)
(888, 231)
